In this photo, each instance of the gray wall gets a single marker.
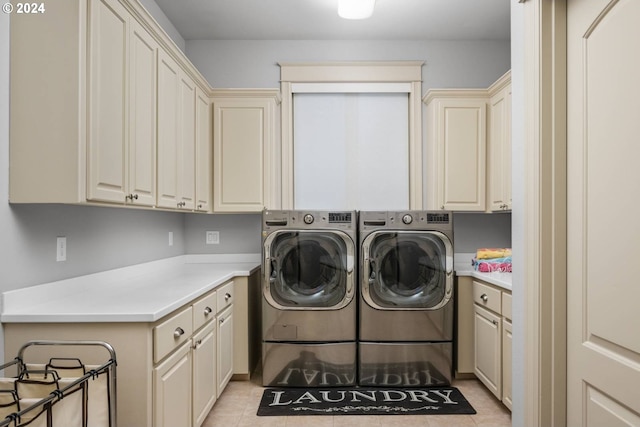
(239, 234)
(252, 63)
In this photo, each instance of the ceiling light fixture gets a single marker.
(355, 9)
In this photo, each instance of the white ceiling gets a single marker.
(318, 20)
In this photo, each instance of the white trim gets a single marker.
(366, 75)
(351, 87)
(545, 214)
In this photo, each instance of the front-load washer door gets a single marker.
(308, 269)
(407, 270)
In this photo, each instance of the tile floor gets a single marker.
(239, 403)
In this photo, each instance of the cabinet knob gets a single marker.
(484, 297)
(207, 311)
(442, 207)
(221, 320)
(178, 332)
(495, 322)
(200, 206)
(132, 197)
(227, 297)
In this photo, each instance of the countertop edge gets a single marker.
(502, 280)
(13, 312)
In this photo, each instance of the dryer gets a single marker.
(406, 298)
(309, 306)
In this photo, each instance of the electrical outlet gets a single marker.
(212, 237)
(61, 249)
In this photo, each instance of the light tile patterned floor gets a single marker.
(239, 403)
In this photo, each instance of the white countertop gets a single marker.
(140, 293)
(462, 266)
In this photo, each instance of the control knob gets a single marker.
(308, 219)
(407, 219)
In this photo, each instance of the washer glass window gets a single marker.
(407, 270)
(308, 269)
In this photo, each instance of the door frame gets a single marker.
(544, 213)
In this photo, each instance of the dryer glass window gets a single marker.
(407, 270)
(308, 269)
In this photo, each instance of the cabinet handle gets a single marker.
(484, 297)
(207, 311)
(178, 332)
(221, 320)
(495, 322)
(442, 207)
(200, 206)
(196, 344)
(132, 197)
(181, 204)
(227, 297)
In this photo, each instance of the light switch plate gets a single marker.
(212, 237)
(61, 249)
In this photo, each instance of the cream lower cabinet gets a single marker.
(172, 389)
(488, 350)
(225, 348)
(170, 372)
(483, 335)
(226, 298)
(469, 148)
(245, 150)
(204, 345)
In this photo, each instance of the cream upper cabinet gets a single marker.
(176, 136)
(187, 143)
(203, 148)
(122, 108)
(168, 131)
(469, 148)
(108, 106)
(245, 151)
(456, 171)
(112, 120)
(499, 156)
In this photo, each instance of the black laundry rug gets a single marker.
(364, 401)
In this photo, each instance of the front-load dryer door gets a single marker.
(407, 270)
(308, 270)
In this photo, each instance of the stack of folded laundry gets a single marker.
(488, 260)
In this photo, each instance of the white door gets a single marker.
(603, 369)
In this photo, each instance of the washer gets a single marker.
(309, 307)
(406, 298)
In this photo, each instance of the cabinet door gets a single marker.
(108, 105)
(488, 351)
(461, 145)
(172, 389)
(225, 348)
(142, 117)
(204, 373)
(506, 363)
(500, 150)
(239, 141)
(186, 142)
(168, 77)
(203, 152)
